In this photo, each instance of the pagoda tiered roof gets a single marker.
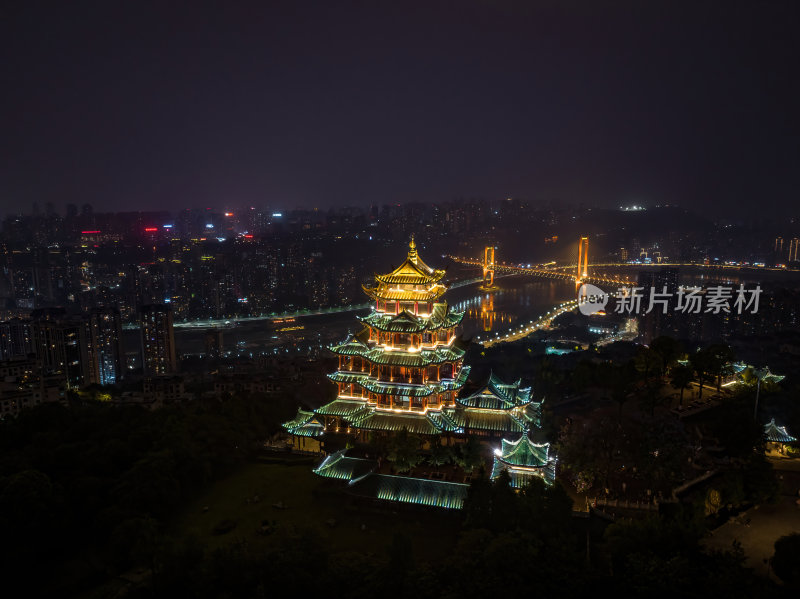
(379, 420)
(413, 280)
(406, 322)
(524, 459)
(497, 395)
(489, 418)
(374, 385)
(777, 434)
(397, 357)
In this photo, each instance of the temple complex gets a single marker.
(404, 371)
(404, 368)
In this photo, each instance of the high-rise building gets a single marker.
(778, 246)
(61, 342)
(15, 339)
(794, 249)
(105, 346)
(655, 322)
(158, 340)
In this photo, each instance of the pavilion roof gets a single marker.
(342, 407)
(304, 424)
(340, 466)
(524, 452)
(497, 395)
(443, 421)
(523, 459)
(522, 477)
(777, 434)
(491, 421)
(419, 491)
(377, 420)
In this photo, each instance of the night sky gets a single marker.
(138, 106)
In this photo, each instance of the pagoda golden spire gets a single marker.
(412, 250)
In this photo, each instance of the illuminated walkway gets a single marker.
(543, 322)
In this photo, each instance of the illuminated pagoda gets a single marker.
(524, 460)
(404, 369)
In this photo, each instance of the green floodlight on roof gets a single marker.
(764, 374)
(777, 434)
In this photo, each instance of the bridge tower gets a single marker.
(583, 260)
(488, 269)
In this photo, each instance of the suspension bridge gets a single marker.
(579, 274)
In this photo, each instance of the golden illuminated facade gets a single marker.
(405, 366)
(404, 370)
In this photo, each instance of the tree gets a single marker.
(470, 454)
(440, 454)
(720, 357)
(647, 363)
(589, 447)
(700, 361)
(681, 379)
(786, 561)
(478, 502)
(668, 349)
(404, 451)
(618, 381)
(547, 376)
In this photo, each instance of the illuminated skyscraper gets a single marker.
(105, 346)
(158, 340)
(61, 342)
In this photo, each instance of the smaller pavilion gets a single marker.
(777, 437)
(524, 460)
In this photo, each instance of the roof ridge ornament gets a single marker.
(412, 250)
